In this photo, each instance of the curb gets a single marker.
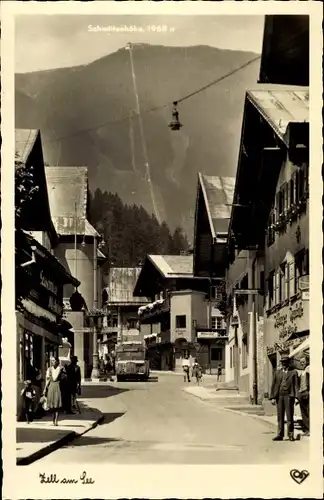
(43, 452)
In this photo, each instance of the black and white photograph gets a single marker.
(163, 184)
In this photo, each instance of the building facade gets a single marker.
(212, 216)
(79, 252)
(268, 228)
(121, 306)
(40, 278)
(175, 322)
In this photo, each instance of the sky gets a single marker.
(55, 41)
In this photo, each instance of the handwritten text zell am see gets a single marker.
(54, 479)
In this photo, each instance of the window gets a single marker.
(280, 202)
(301, 266)
(276, 285)
(216, 354)
(292, 287)
(181, 321)
(217, 322)
(282, 282)
(271, 288)
(244, 353)
(215, 293)
(286, 200)
(231, 357)
(132, 323)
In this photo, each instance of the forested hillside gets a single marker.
(130, 232)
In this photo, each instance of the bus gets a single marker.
(131, 360)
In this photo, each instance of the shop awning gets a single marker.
(300, 350)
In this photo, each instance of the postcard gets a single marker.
(161, 186)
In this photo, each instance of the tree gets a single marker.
(25, 190)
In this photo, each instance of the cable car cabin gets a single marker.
(175, 123)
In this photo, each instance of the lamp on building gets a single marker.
(96, 322)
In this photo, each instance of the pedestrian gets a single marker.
(186, 368)
(219, 372)
(54, 375)
(28, 394)
(197, 371)
(303, 393)
(74, 380)
(283, 393)
(65, 392)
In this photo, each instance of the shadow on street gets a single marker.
(24, 435)
(91, 441)
(110, 417)
(100, 391)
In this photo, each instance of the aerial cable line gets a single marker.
(129, 47)
(157, 108)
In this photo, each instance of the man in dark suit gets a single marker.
(283, 392)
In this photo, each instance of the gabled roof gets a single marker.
(218, 197)
(283, 110)
(121, 283)
(173, 266)
(282, 107)
(36, 214)
(24, 143)
(68, 195)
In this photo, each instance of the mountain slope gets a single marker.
(64, 101)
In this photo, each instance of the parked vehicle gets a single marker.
(131, 361)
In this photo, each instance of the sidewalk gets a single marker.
(38, 439)
(235, 403)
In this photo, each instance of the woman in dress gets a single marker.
(53, 394)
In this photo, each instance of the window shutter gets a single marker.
(292, 286)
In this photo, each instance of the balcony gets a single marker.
(154, 311)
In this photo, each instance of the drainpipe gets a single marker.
(254, 336)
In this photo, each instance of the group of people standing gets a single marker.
(196, 370)
(62, 386)
(290, 387)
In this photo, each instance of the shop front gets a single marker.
(285, 332)
(211, 350)
(38, 341)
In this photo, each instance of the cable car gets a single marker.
(175, 123)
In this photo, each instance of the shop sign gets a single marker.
(181, 332)
(207, 335)
(297, 312)
(284, 346)
(48, 284)
(285, 322)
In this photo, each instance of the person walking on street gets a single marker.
(186, 368)
(52, 391)
(74, 380)
(284, 391)
(197, 371)
(303, 394)
(219, 372)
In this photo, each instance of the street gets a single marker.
(157, 422)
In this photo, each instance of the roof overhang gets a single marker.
(51, 262)
(262, 151)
